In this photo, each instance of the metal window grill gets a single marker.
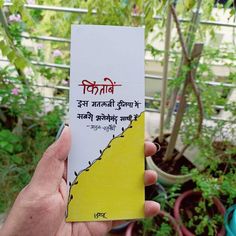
(66, 40)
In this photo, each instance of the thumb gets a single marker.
(49, 171)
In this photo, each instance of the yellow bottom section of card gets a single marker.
(112, 187)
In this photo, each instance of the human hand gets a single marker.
(40, 207)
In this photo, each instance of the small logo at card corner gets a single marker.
(100, 215)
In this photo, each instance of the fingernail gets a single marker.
(59, 132)
(158, 146)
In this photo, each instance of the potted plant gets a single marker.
(199, 216)
(169, 160)
(163, 176)
(162, 225)
(155, 192)
(228, 196)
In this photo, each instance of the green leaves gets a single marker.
(21, 63)
(17, 5)
(228, 4)
(13, 55)
(16, 159)
(149, 21)
(9, 142)
(189, 4)
(4, 48)
(165, 229)
(1, 3)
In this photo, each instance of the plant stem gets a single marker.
(199, 102)
(181, 39)
(196, 53)
(177, 124)
(165, 74)
(188, 80)
(182, 104)
(189, 43)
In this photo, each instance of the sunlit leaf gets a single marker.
(1, 3)
(228, 4)
(12, 56)
(21, 63)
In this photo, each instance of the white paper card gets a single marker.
(106, 119)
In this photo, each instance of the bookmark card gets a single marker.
(106, 161)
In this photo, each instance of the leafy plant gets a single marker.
(155, 226)
(9, 142)
(201, 222)
(26, 127)
(20, 154)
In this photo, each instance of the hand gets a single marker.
(40, 207)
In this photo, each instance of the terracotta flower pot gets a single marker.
(192, 193)
(175, 226)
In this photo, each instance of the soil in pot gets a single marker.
(171, 167)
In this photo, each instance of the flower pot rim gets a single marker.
(226, 216)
